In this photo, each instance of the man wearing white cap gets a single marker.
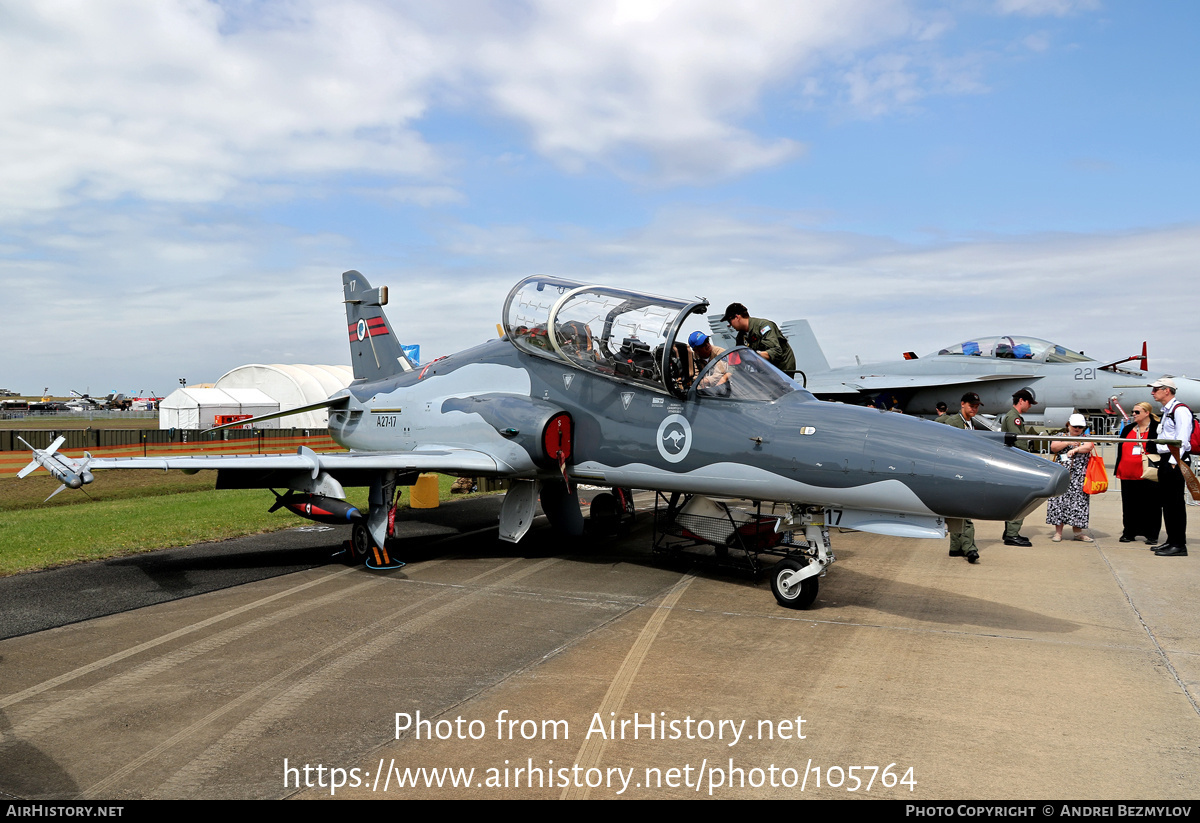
(1176, 425)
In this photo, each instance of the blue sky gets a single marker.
(183, 182)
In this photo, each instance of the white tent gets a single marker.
(291, 387)
(192, 408)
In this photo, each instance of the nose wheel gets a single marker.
(790, 590)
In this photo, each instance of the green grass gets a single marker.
(31, 493)
(141, 512)
(41, 538)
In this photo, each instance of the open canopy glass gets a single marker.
(619, 333)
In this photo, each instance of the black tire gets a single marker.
(360, 545)
(798, 596)
(605, 514)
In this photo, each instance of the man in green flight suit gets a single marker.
(1014, 422)
(763, 336)
(962, 543)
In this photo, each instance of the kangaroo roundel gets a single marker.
(674, 438)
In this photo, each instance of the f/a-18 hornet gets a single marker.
(593, 384)
(1063, 381)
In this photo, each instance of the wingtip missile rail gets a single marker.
(73, 474)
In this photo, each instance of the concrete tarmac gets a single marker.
(1067, 670)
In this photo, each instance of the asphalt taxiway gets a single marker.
(1060, 670)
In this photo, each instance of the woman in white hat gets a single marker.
(1071, 507)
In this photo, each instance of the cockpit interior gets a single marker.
(631, 336)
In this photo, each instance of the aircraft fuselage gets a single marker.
(793, 449)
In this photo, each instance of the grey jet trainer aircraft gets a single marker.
(1063, 381)
(594, 384)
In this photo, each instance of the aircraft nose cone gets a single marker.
(1058, 483)
(1024, 481)
(957, 473)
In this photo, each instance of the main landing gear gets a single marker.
(610, 511)
(361, 548)
(368, 540)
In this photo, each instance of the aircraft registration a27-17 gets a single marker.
(594, 384)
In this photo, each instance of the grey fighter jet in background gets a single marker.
(1063, 381)
(594, 384)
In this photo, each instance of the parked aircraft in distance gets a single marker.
(1063, 381)
(85, 402)
(595, 384)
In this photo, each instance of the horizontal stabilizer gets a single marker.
(330, 403)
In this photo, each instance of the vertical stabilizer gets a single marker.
(809, 357)
(375, 352)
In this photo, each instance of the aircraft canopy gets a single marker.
(619, 333)
(1016, 348)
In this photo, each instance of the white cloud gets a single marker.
(867, 295)
(156, 295)
(659, 96)
(1039, 8)
(155, 101)
(1038, 41)
(188, 101)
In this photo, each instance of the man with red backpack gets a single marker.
(1177, 424)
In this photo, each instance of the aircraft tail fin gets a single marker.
(375, 353)
(809, 357)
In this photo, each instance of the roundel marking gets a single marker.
(674, 438)
(361, 329)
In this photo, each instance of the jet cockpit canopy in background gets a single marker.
(1015, 348)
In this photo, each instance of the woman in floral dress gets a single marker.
(1071, 507)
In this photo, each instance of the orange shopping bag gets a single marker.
(1095, 480)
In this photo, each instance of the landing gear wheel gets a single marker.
(606, 514)
(796, 595)
(360, 545)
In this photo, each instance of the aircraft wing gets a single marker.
(872, 383)
(447, 460)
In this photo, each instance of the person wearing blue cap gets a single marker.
(703, 353)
